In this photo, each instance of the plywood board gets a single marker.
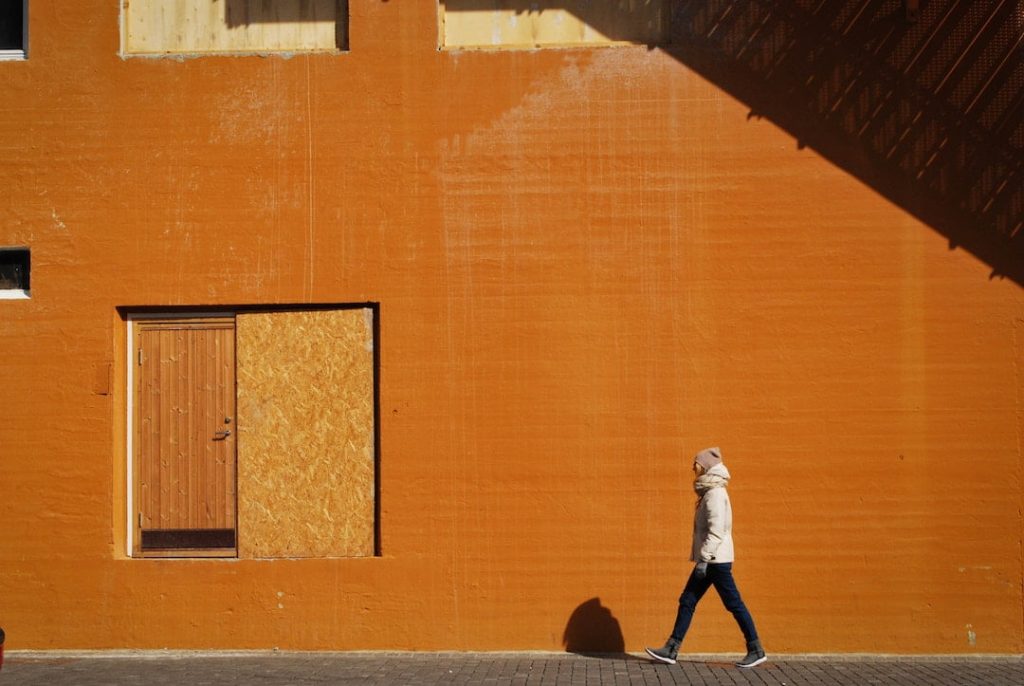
(212, 26)
(306, 439)
(516, 23)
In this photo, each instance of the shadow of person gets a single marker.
(592, 629)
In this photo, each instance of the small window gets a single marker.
(13, 29)
(550, 23)
(14, 273)
(203, 27)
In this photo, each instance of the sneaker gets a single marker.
(755, 656)
(666, 653)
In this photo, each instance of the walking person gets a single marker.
(712, 553)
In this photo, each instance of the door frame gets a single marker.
(132, 530)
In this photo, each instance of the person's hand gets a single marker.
(700, 571)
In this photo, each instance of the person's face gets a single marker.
(697, 470)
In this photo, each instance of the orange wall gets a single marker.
(589, 264)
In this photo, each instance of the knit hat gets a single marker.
(708, 458)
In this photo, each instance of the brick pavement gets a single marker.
(518, 669)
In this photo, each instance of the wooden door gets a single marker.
(184, 404)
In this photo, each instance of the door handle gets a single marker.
(220, 435)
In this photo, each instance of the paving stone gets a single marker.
(519, 669)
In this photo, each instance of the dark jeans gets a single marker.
(719, 576)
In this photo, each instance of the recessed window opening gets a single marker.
(14, 273)
(13, 29)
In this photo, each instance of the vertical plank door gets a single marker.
(185, 436)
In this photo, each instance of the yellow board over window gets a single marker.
(156, 27)
(520, 23)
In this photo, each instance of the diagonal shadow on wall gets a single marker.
(927, 112)
(923, 101)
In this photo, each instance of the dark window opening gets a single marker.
(14, 269)
(12, 26)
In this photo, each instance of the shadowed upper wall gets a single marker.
(923, 101)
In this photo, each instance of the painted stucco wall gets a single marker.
(589, 264)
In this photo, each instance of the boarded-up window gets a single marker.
(254, 434)
(232, 26)
(524, 24)
(306, 438)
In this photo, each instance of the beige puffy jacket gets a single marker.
(712, 523)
